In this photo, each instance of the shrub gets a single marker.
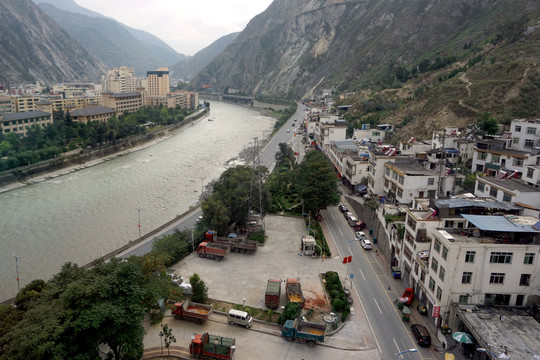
(338, 305)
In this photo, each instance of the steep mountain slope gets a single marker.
(188, 67)
(348, 44)
(111, 41)
(34, 47)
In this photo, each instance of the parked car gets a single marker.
(343, 208)
(366, 244)
(421, 334)
(232, 236)
(347, 214)
(361, 235)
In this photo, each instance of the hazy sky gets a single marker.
(186, 25)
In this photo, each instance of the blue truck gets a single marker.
(304, 331)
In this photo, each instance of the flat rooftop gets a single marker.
(507, 329)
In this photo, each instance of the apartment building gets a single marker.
(120, 80)
(505, 189)
(367, 133)
(93, 113)
(158, 82)
(26, 103)
(375, 172)
(525, 134)
(19, 123)
(325, 133)
(494, 155)
(123, 102)
(7, 105)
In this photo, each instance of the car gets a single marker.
(366, 244)
(343, 208)
(421, 334)
(361, 235)
(288, 130)
(232, 236)
(347, 214)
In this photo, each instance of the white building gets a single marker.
(120, 80)
(367, 133)
(509, 190)
(525, 134)
(494, 155)
(326, 133)
(375, 172)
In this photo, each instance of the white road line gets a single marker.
(397, 347)
(378, 307)
(341, 232)
(361, 273)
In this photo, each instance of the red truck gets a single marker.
(210, 250)
(293, 289)
(193, 311)
(206, 346)
(237, 244)
(272, 294)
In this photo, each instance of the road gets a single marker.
(372, 282)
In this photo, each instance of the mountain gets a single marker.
(477, 55)
(187, 68)
(35, 48)
(114, 43)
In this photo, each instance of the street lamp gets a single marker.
(406, 351)
(161, 340)
(321, 255)
(17, 269)
(282, 313)
(309, 219)
(139, 224)
(309, 229)
(192, 241)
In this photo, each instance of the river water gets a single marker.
(82, 215)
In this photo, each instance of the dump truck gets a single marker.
(293, 289)
(272, 294)
(193, 311)
(210, 250)
(304, 331)
(207, 346)
(237, 244)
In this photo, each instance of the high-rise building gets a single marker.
(158, 82)
(120, 80)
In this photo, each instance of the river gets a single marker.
(82, 215)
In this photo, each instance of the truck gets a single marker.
(304, 331)
(293, 289)
(207, 346)
(272, 294)
(189, 310)
(237, 244)
(210, 250)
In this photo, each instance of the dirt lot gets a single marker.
(244, 276)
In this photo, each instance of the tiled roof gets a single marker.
(24, 115)
(93, 110)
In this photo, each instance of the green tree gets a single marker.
(318, 183)
(168, 337)
(173, 246)
(470, 182)
(488, 123)
(199, 288)
(29, 293)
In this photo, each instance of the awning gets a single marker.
(451, 151)
(498, 223)
(361, 187)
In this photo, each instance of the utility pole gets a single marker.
(139, 224)
(17, 269)
(441, 162)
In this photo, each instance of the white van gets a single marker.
(240, 318)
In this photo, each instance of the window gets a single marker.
(448, 223)
(480, 186)
(431, 194)
(466, 277)
(493, 192)
(529, 143)
(442, 273)
(431, 181)
(437, 246)
(434, 265)
(515, 140)
(496, 278)
(517, 162)
(479, 168)
(500, 258)
(401, 179)
(517, 128)
(439, 293)
(395, 175)
(530, 172)
(463, 299)
(507, 197)
(525, 280)
(495, 158)
(531, 130)
(387, 171)
(444, 252)
(399, 193)
(481, 156)
(386, 183)
(528, 259)
(431, 284)
(469, 256)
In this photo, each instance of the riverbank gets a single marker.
(57, 167)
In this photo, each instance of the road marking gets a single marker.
(397, 347)
(361, 273)
(341, 232)
(378, 307)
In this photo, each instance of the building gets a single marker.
(525, 134)
(369, 134)
(350, 161)
(120, 80)
(325, 133)
(19, 123)
(375, 172)
(158, 82)
(93, 113)
(123, 102)
(505, 189)
(7, 105)
(26, 103)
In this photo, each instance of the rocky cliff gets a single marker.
(35, 48)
